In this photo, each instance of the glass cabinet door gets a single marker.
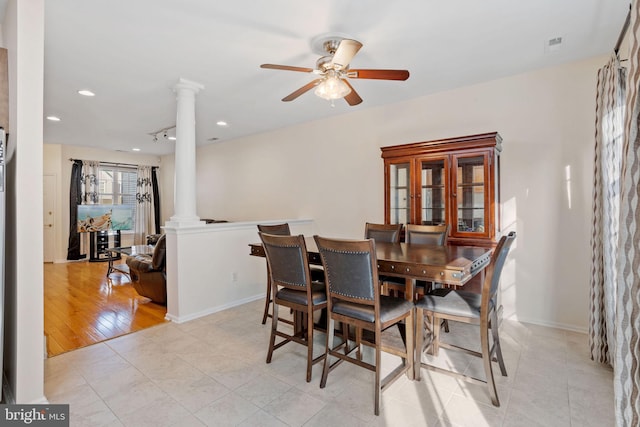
(433, 192)
(399, 193)
(453, 181)
(470, 194)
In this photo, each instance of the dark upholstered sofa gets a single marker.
(148, 273)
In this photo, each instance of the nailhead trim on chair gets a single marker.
(328, 272)
(289, 283)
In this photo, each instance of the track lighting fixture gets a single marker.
(163, 133)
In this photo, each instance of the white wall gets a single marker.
(209, 267)
(24, 348)
(331, 171)
(56, 162)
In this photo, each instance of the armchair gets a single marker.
(148, 273)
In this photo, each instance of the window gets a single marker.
(117, 186)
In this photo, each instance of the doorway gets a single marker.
(48, 216)
(83, 305)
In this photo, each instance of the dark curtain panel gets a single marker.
(156, 198)
(75, 198)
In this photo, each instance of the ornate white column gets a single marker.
(184, 203)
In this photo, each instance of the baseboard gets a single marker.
(557, 325)
(183, 319)
(65, 261)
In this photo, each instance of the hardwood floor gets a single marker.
(82, 306)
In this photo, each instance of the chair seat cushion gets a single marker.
(318, 295)
(455, 303)
(390, 308)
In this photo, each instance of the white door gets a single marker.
(49, 205)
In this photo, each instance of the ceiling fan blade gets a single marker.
(303, 89)
(286, 67)
(347, 49)
(379, 74)
(352, 97)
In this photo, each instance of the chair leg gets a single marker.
(435, 331)
(409, 346)
(385, 288)
(496, 343)
(267, 300)
(488, 369)
(309, 344)
(420, 330)
(328, 347)
(274, 328)
(378, 363)
(345, 336)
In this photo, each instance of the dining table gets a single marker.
(446, 264)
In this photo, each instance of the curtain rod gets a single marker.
(625, 27)
(113, 163)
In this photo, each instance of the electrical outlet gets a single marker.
(234, 276)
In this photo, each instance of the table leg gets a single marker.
(110, 266)
(409, 287)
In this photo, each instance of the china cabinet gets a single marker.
(453, 181)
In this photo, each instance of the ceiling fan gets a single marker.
(333, 71)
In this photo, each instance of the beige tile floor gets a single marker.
(212, 371)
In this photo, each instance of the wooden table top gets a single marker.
(450, 264)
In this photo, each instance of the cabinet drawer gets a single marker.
(433, 274)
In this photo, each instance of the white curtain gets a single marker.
(626, 369)
(90, 188)
(145, 220)
(90, 178)
(610, 108)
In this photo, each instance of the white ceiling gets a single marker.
(131, 53)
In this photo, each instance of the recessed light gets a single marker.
(135, 149)
(53, 118)
(171, 138)
(221, 123)
(85, 92)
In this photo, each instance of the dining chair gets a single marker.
(293, 287)
(353, 298)
(427, 234)
(468, 307)
(281, 230)
(390, 233)
(383, 232)
(422, 235)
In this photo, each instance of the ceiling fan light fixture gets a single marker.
(332, 87)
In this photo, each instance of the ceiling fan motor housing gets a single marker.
(324, 64)
(330, 46)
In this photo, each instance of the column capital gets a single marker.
(195, 87)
